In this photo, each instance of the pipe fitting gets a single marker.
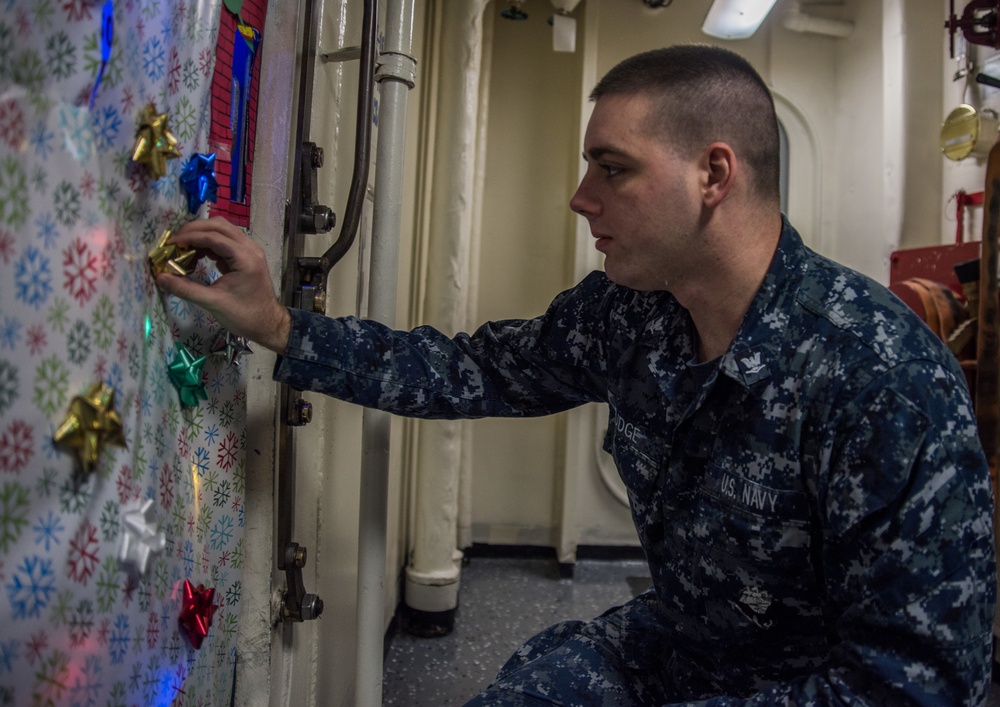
(432, 592)
(398, 66)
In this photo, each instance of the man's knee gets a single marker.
(540, 645)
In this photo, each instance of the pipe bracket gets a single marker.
(296, 604)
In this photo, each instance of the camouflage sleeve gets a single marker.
(505, 369)
(907, 550)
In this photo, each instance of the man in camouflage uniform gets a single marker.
(800, 451)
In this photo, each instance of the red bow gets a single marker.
(197, 609)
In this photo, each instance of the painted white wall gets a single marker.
(857, 232)
(886, 156)
(262, 654)
(532, 152)
(924, 165)
(808, 113)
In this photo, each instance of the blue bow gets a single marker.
(198, 180)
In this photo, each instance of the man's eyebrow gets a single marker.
(596, 153)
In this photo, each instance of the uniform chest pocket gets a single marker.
(638, 456)
(766, 526)
(754, 563)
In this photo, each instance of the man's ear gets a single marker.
(719, 167)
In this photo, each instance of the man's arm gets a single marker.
(507, 368)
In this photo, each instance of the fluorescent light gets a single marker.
(735, 19)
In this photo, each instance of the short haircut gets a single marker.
(705, 94)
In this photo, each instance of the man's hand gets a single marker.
(242, 299)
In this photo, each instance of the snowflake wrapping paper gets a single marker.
(77, 307)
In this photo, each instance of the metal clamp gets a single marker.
(310, 292)
(313, 216)
(297, 604)
(300, 412)
(396, 65)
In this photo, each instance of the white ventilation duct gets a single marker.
(797, 21)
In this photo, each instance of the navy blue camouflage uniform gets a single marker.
(815, 506)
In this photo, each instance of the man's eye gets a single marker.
(611, 170)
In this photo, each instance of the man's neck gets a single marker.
(718, 310)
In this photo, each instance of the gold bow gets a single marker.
(92, 422)
(154, 143)
(167, 257)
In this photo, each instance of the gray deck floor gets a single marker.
(503, 602)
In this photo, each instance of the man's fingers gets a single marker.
(242, 299)
(217, 230)
(216, 238)
(208, 241)
(182, 287)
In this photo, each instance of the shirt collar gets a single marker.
(753, 355)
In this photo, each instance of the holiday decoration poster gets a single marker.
(79, 313)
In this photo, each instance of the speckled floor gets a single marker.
(503, 602)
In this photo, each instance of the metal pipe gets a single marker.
(362, 144)
(433, 575)
(396, 75)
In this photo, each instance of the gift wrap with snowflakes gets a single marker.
(122, 410)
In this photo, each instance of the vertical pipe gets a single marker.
(432, 576)
(895, 123)
(395, 73)
(464, 530)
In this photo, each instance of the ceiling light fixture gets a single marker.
(735, 19)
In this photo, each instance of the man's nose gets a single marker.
(582, 202)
